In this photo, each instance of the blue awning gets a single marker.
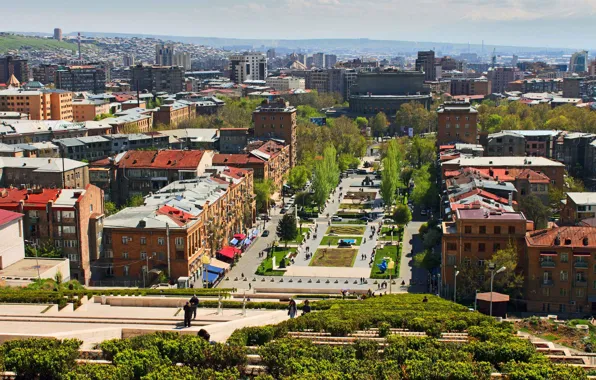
(211, 277)
(246, 241)
(212, 269)
(234, 241)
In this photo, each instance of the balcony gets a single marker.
(546, 283)
(580, 264)
(581, 283)
(547, 264)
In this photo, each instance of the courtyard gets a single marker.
(334, 257)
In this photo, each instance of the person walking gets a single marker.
(306, 307)
(194, 303)
(187, 314)
(292, 309)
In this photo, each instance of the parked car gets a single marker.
(337, 219)
(388, 221)
(344, 244)
(265, 233)
(366, 219)
(423, 212)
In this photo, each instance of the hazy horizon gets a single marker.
(546, 23)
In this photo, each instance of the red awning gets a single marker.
(240, 236)
(581, 253)
(548, 254)
(228, 251)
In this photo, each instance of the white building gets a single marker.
(286, 83)
(182, 59)
(11, 234)
(248, 66)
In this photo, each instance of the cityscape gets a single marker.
(294, 205)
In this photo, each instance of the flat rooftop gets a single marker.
(27, 267)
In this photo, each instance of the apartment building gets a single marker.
(578, 207)
(505, 144)
(89, 78)
(88, 109)
(475, 235)
(11, 65)
(43, 172)
(282, 83)
(69, 218)
(39, 105)
(44, 73)
(561, 275)
(38, 131)
(470, 86)
(141, 172)
(248, 66)
(500, 77)
(173, 113)
(154, 78)
(178, 225)
(554, 170)
(426, 63)
(457, 122)
(268, 159)
(133, 120)
(277, 120)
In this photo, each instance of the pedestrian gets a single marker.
(306, 307)
(249, 286)
(292, 309)
(194, 303)
(187, 314)
(204, 334)
(425, 299)
(242, 275)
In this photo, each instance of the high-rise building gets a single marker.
(579, 62)
(44, 73)
(58, 34)
(164, 55)
(157, 78)
(182, 59)
(592, 68)
(318, 60)
(248, 66)
(277, 120)
(16, 66)
(90, 78)
(500, 77)
(426, 63)
(128, 60)
(331, 80)
(330, 60)
(271, 54)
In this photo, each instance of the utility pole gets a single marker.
(168, 249)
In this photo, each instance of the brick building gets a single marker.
(475, 235)
(10, 65)
(172, 114)
(39, 105)
(578, 206)
(86, 110)
(560, 271)
(71, 219)
(457, 122)
(43, 172)
(278, 121)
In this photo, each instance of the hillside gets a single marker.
(14, 42)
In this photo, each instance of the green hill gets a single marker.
(13, 42)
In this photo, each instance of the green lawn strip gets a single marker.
(334, 240)
(392, 251)
(386, 234)
(354, 206)
(300, 238)
(266, 269)
(334, 257)
(346, 230)
(350, 221)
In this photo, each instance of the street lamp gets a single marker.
(455, 284)
(205, 260)
(492, 267)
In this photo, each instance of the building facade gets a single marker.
(505, 144)
(248, 66)
(457, 122)
(10, 65)
(90, 78)
(426, 63)
(277, 120)
(154, 79)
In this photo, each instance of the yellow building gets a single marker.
(86, 110)
(39, 105)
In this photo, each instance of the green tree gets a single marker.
(421, 151)
(534, 209)
(379, 124)
(325, 176)
(414, 115)
(492, 124)
(298, 177)
(390, 175)
(362, 122)
(263, 191)
(402, 214)
(428, 259)
(431, 238)
(510, 281)
(45, 249)
(135, 201)
(287, 229)
(110, 208)
(422, 186)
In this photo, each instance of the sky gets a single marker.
(548, 23)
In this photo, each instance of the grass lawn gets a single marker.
(386, 234)
(345, 230)
(350, 221)
(334, 240)
(354, 206)
(334, 257)
(265, 269)
(391, 251)
(300, 237)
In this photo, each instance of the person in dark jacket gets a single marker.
(292, 309)
(306, 307)
(187, 314)
(194, 303)
(204, 334)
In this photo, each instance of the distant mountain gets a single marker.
(357, 46)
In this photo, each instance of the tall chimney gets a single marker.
(79, 42)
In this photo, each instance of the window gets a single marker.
(497, 230)
(480, 263)
(160, 241)
(481, 247)
(546, 292)
(563, 275)
(143, 240)
(511, 230)
(124, 239)
(496, 247)
(579, 292)
(125, 255)
(126, 269)
(482, 230)
(467, 262)
(451, 246)
(450, 259)
(564, 257)
(562, 292)
(179, 242)
(468, 229)
(579, 276)
(68, 229)
(143, 255)
(467, 247)
(73, 257)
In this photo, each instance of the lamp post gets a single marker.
(455, 284)
(476, 301)
(440, 284)
(492, 267)
(390, 268)
(205, 260)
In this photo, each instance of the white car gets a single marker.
(337, 219)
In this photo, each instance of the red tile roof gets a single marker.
(163, 159)
(10, 198)
(236, 159)
(178, 216)
(8, 216)
(570, 237)
(532, 176)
